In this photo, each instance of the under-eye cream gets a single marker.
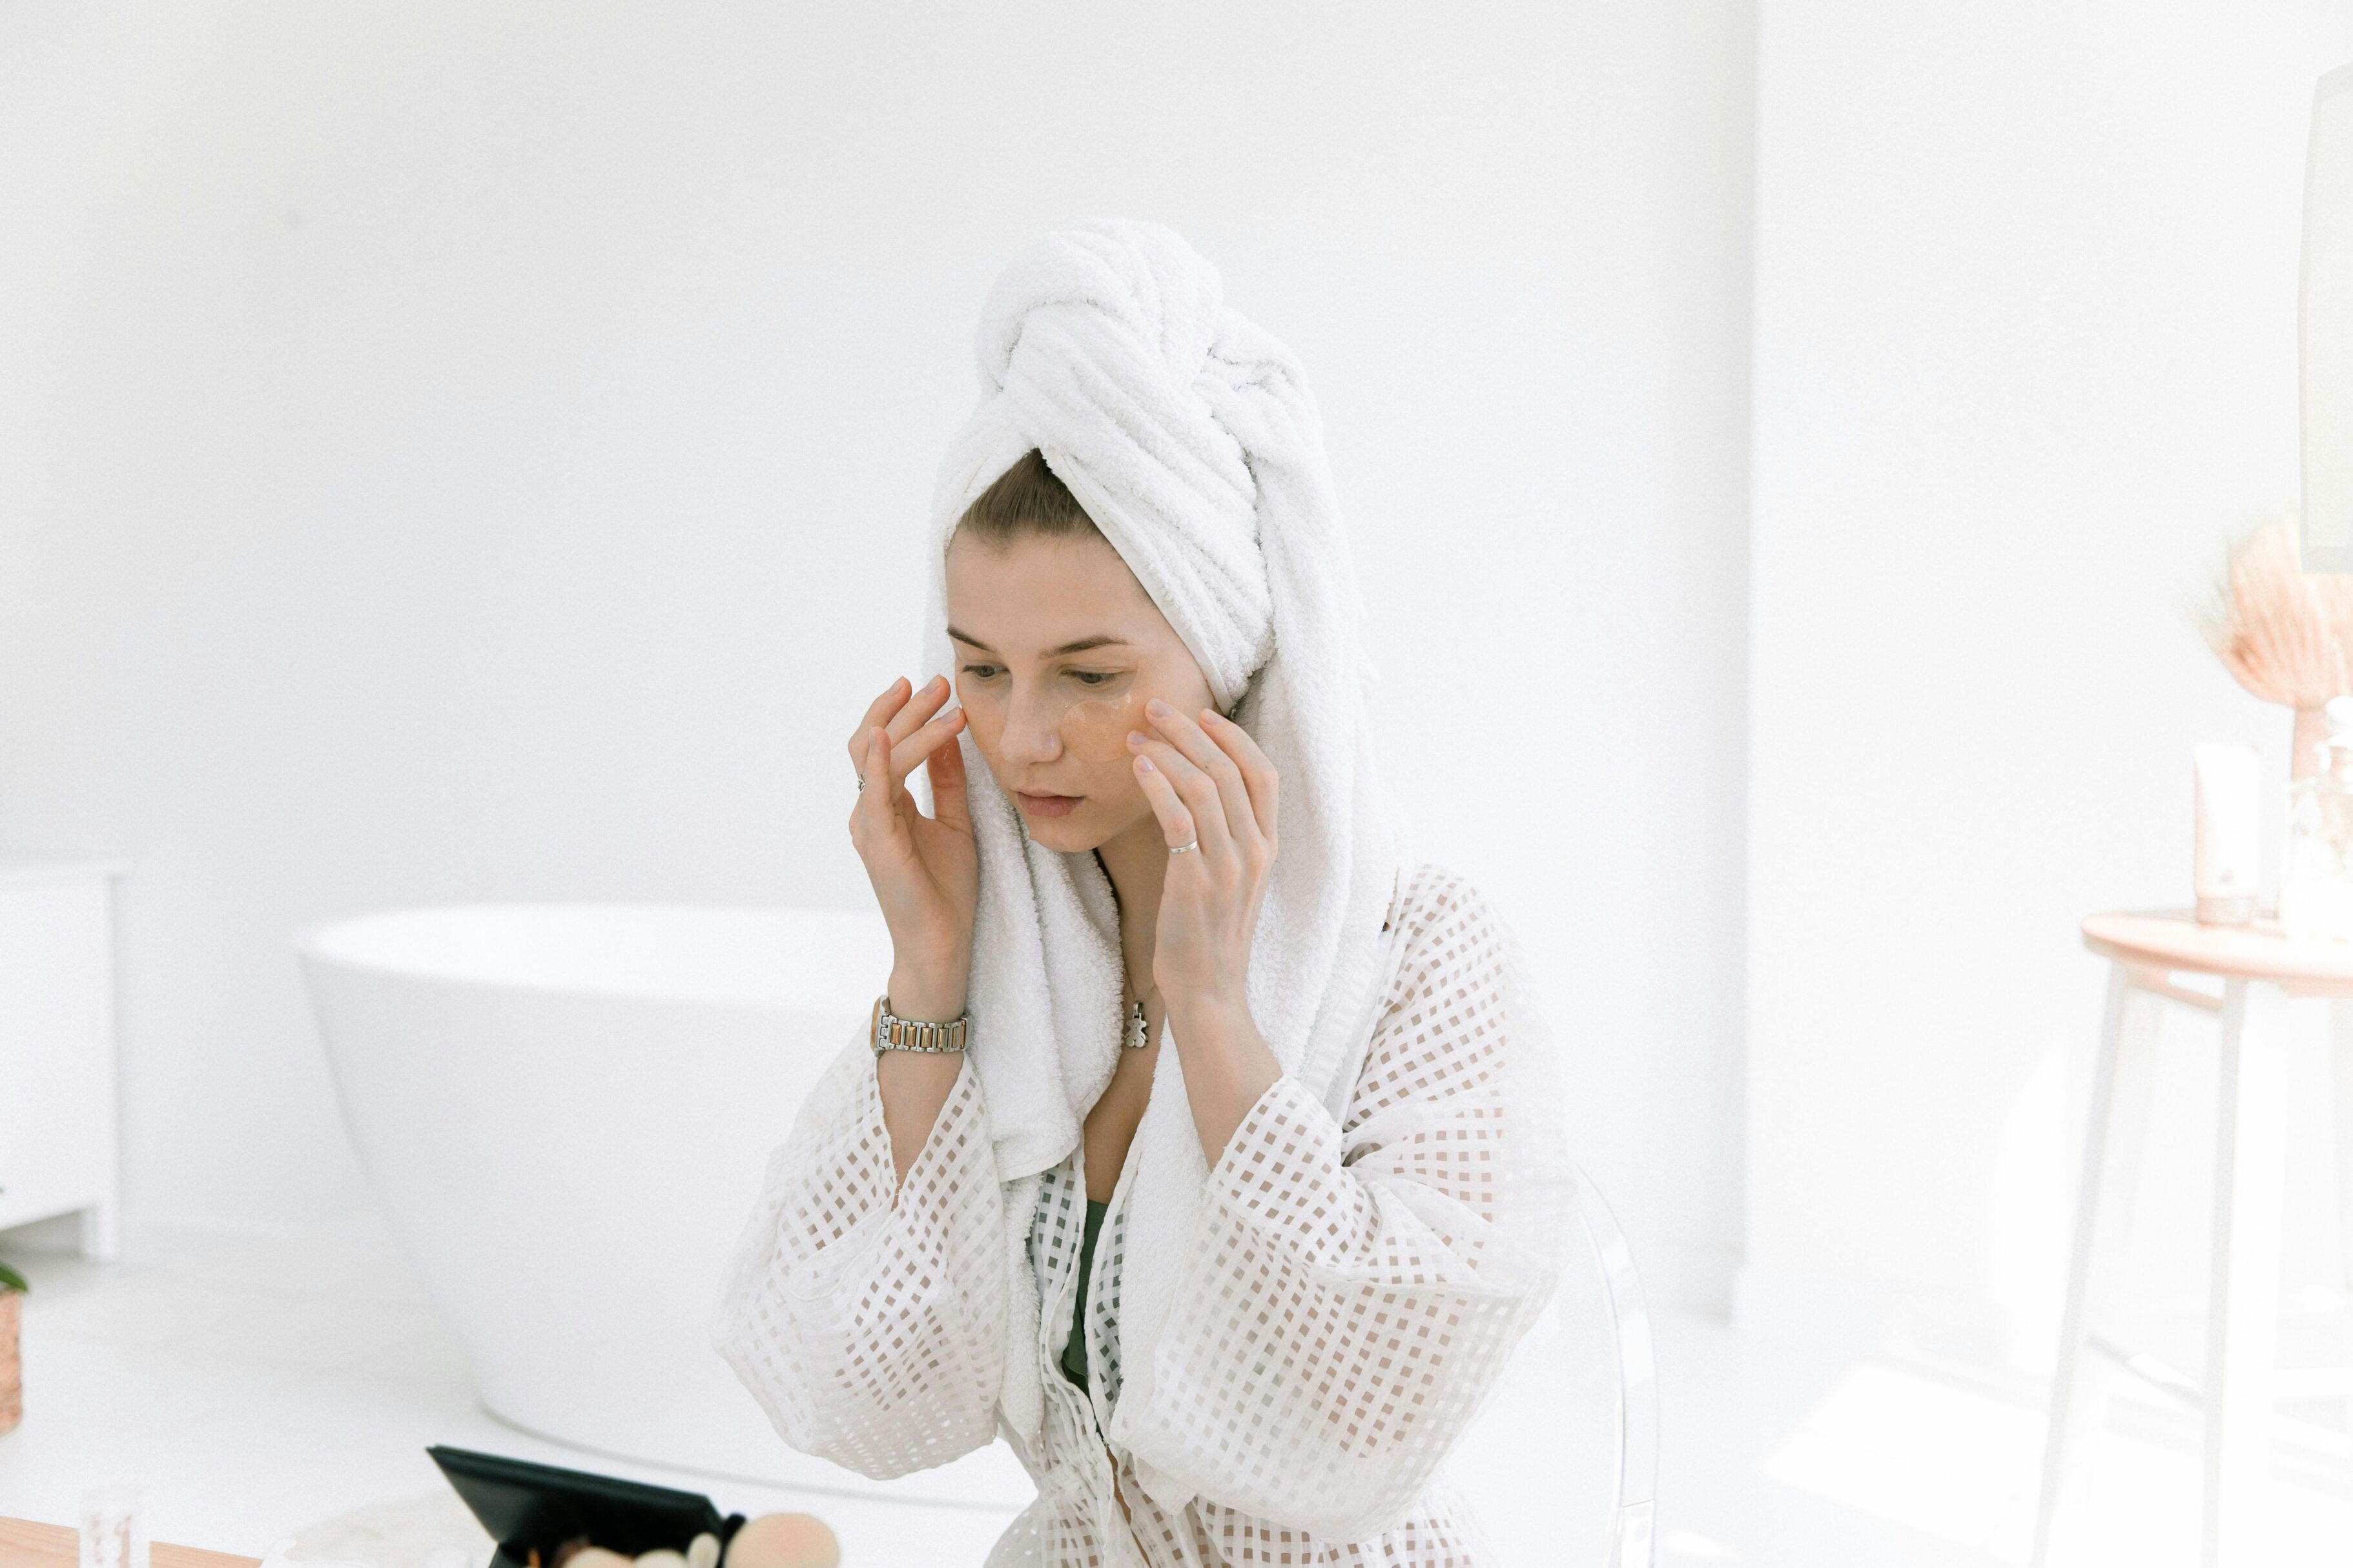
(2229, 829)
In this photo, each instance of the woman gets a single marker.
(1230, 1177)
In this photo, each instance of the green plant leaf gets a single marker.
(12, 1280)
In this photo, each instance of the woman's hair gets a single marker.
(1026, 501)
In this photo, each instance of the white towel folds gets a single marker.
(1190, 438)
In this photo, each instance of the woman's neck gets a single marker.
(1137, 863)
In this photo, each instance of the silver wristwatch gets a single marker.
(896, 1034)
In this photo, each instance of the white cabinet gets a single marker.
(59, 1147)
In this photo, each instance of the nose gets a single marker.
(1033, 732)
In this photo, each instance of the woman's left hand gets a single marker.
(1207, 780)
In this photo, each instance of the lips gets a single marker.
(1047, 805)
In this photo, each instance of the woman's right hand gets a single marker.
(925, 869)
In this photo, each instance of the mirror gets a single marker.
(2326, 325)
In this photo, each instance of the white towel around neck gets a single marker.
(1191, 439)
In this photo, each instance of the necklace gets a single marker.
(1137, 1034)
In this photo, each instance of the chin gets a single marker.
(1069, 835)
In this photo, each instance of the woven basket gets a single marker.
(12, 1363)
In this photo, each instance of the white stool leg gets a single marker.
(2340, 1020)
(2103, 1204)
(2243, 1327)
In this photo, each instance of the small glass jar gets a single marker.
(2316, 859)
(113, 1529)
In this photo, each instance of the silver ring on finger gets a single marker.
(861, 784)
(1181, 848)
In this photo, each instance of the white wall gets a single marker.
(467, 453)
(2025, 357)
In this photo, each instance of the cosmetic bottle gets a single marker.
(2316, 859)
(2228, 797)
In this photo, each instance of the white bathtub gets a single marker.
(567, 1110)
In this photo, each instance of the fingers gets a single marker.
(1175, 817)
(1258, 774)
(925, 742)
(879, 711)
(949, 803)
(905, 715)
(1196, 790)
(903, 729)
(872, 818)
(919, 708)
(1231, 806)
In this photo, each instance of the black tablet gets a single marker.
(529, 1507)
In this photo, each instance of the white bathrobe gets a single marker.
(1289, 1343)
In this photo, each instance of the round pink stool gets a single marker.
(2156, 957)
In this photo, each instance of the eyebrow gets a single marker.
(1101, 640)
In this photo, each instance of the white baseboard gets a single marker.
(148, 1237)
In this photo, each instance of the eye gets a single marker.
(1093, 677)
(982, 671)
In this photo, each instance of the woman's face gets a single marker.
(1057, 648)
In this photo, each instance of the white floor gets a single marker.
(251, 1388)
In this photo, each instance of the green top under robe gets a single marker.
(1074, 1353)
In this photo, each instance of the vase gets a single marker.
(2302, 753)
(12, 1362)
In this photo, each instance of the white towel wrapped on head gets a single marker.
(1190, 437)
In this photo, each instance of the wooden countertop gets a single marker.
(24, 1544)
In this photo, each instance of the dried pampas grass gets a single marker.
(2281, 632)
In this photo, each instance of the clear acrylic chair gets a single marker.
(1560, 1468)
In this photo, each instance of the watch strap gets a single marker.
(891, 1033)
